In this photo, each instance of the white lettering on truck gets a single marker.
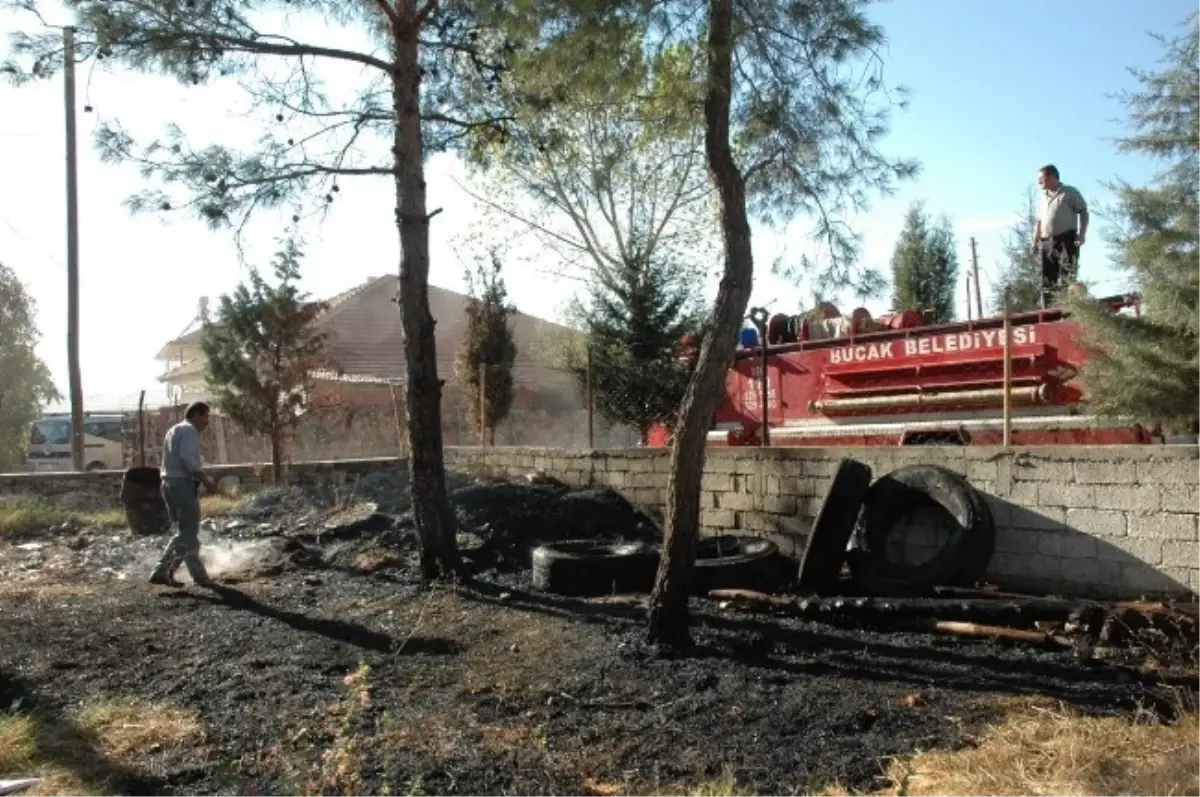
(935, 344)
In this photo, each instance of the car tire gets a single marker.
(588, 568)
(825, 552)
(961, 561)
(732, 561)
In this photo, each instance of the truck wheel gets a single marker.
(962, 560)
(592, 567)
(731, 561)
(825, 552)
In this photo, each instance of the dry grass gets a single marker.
(222, 504)
(78, 755)
(1041, 748)
(23, 516)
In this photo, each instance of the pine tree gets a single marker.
(791, 128)
(485, 362)
(1022, 273)
(1148, 367)
(26, 385)
(634, 319)
(415, 77)
(262, 349)
(925, 266)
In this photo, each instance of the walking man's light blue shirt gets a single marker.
(181, 451)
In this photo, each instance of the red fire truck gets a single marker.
(897, 380)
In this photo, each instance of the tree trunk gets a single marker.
(274, 436)
(668, 616)
(276, 458)
(423, 389)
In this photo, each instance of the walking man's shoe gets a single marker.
(165, 580)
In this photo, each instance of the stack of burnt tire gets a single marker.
(592, 567)
(856, 524)
(858, 520)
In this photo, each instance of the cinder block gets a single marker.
(717, 518)
(1091, 571)
(1023, 494)
(1045, 567)
(1148, 552)
(736, 501)
(796, 485)
(1164, 526)
(1180, 554)
(1049, 518)
(719, 463)
(1128, 498)
(982, 472)
(758, 522)
(1102, 523)
(1180, 498)
(1040, 470)
(1117, 472)
(616, 478)
(819, 467)
(1017, 541)
(640, 465)
(1180, 577)
(1050, 542)
(1167, 471)
(1143, 578)
(716, 481)
(1066, 495)
(1001, 510)
(778, 504)
(1078, 546)
(1012, 564)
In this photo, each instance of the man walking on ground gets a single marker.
(1061, 229)
(182, 476)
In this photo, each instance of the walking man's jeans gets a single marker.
(182, 497)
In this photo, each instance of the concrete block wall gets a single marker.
(1117, 521)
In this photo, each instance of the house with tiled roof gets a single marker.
(365, 344)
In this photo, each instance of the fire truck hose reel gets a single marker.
(825, 552)
(963, 558)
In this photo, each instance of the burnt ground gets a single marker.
(488, 688)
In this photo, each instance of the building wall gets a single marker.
(1116, 521)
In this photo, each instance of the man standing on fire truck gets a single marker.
(1061, 229)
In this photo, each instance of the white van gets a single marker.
(103, 442)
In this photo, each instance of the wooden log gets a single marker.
(1009, 613)
(990, 632)
(752, 597)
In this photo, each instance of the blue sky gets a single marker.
(998, 89)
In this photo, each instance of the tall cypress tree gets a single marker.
(1148, 367)
(488, 350)
(925, 265)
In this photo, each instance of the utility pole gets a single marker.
(74, 377)
(975, 276)
(968, 287)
